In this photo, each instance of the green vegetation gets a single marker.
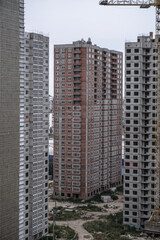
(108, 229)
(64, 232)
(114, 197)
(106, 206)
(47, 238)
(90, 208)
(72, 200)
(110, 193)
(67, 215)
(73, 214)
(96, 198)
(119, 189)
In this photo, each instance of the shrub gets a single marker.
(114, 197)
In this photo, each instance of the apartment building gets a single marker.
(11, 119)
(23, 127)
(36, 126)
(140, 114)
(87, 119)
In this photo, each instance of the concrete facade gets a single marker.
(87, 119)
(11, 119)
(36, 124)
(24, 107)
(140, 115)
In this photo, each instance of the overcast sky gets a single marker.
(65, 21)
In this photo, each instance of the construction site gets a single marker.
(147, 211)
(91, 220)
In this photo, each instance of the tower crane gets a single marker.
(153, 224)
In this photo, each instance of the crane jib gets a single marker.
(142, 3)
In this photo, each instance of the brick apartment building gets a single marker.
(87, 119)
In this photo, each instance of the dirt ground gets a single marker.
(77, 225)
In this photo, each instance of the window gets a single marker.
(136, 57)
(128, 93)
(135, 164)
(136, 50)
(134, 206)
(127, 149)
(134, 220)
(127, 164)
(126, 178)
(135, 135)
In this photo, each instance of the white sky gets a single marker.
(65, 21)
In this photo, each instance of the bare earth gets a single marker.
(77, 225)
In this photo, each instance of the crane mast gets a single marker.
(153, 224)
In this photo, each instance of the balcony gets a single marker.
(77, 102)
(77, 73)
(77, 50)
(77, 56)
(77, 79)
(78, 91)
(77, 86)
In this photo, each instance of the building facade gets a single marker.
(23, 127)
(11, 119)
(36, 125)
(140, 115)
(87, 119)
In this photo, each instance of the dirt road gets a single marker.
(77, 225)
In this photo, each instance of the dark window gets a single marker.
(136, 50)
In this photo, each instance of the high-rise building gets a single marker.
(11, 119)
(140, 115)
(87, 119)
(23, 127)
(36, 125)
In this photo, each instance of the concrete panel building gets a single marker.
(140, 115)
(23, 127)
(11, 119)
(87, 119)
(36, 125)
